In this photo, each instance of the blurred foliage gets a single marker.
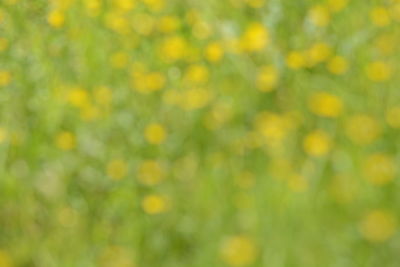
(199, 133)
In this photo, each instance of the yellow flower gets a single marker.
(214, 52)
(380, 16)
(155, 134)
(173, 48)
(197, 74)
(119, 60)
(393, 117)
(239, 251)
(117, 169)
(255, 3)
(155, 204)
(337, 65)
(318, 53)
(78, 97)
(255, 38)
(65, 141)
(337, 5)
(150, 173)
(379, 169)
(5, 78)
(378, 226)
(3, 44)
(378, 71)
(296, 60)
(195, 98)
(272, 127)
(362, 129)
(267, 78)
(319, 16)
(3, 134)
(168, 24)
(56, 18)
(317, 143)
(124, 5)
(155, 5)
(5, 259)
(325, 105)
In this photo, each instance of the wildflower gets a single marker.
(378, 71)
(296, 60)
(197, 74)
(378, 226)
(5, 78)
(239, 251)
(155, 134)
(56, 18)
(195, 98)
(317, 143)
(214, 52)
(150, 173)
(173, 48)
(5, 259)
(325, 105)
(318, 53)
(393, 117)
(117, 169)
(154, 204)
(255, 38)
(169, 24)
(65, 141)
(3, 44)
(380, 16)
(379, 169)
(337, 65)
(78, 97)
(267, 78)
(362, 129)
(319, 16)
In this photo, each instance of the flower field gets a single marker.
(199, 133)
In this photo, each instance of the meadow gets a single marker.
(199, 133)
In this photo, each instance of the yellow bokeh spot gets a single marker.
(378, 71)
(239, 251)
(117, 169)
(255, 38)
(337, 5)
(5, 259)
(197, 74)
(337, 65)
(65, 141)
(318, 53)
(362, 129)
(296, 60)
(150, 172)
(393, 117)
(380, 16)
(317, 143)
(155, 134)
(192, 99)
(214, 52)
(378, 226)
(320, 16)
(379, 169)
(119, 60)
(325, 105)
(267, 78)
(5, 78)
(155, 204)
(173, 48)
(78, 97)
(56, 18)
(3, 44)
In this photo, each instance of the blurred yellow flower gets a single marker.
(119, 60)
(325, 105)
(379, 169)
(380, 16)
(150, 172)
(173, 48)
(56, 18)
(124, 5)
(117, 169)
(197, 74)
(378, 71)
(317, 143)
(169, 24)
(5, 259)
(155, 204)
(78, 97)
(267, 78)
(337, 65)
(155, 134)
(155, 5)
(255, 38)
(3, 44)
(393, 117)
(103, 95)
(318, 53)
(239, 251)
(362, 129)
(337, 5)
(192, 99)
(3, 134)
(65, 141)
(378, 226)
(113, 256)
(214, 52)
(296, 60)
(5, 78)
(320, 15)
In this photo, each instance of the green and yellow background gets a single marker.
(199, 133)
